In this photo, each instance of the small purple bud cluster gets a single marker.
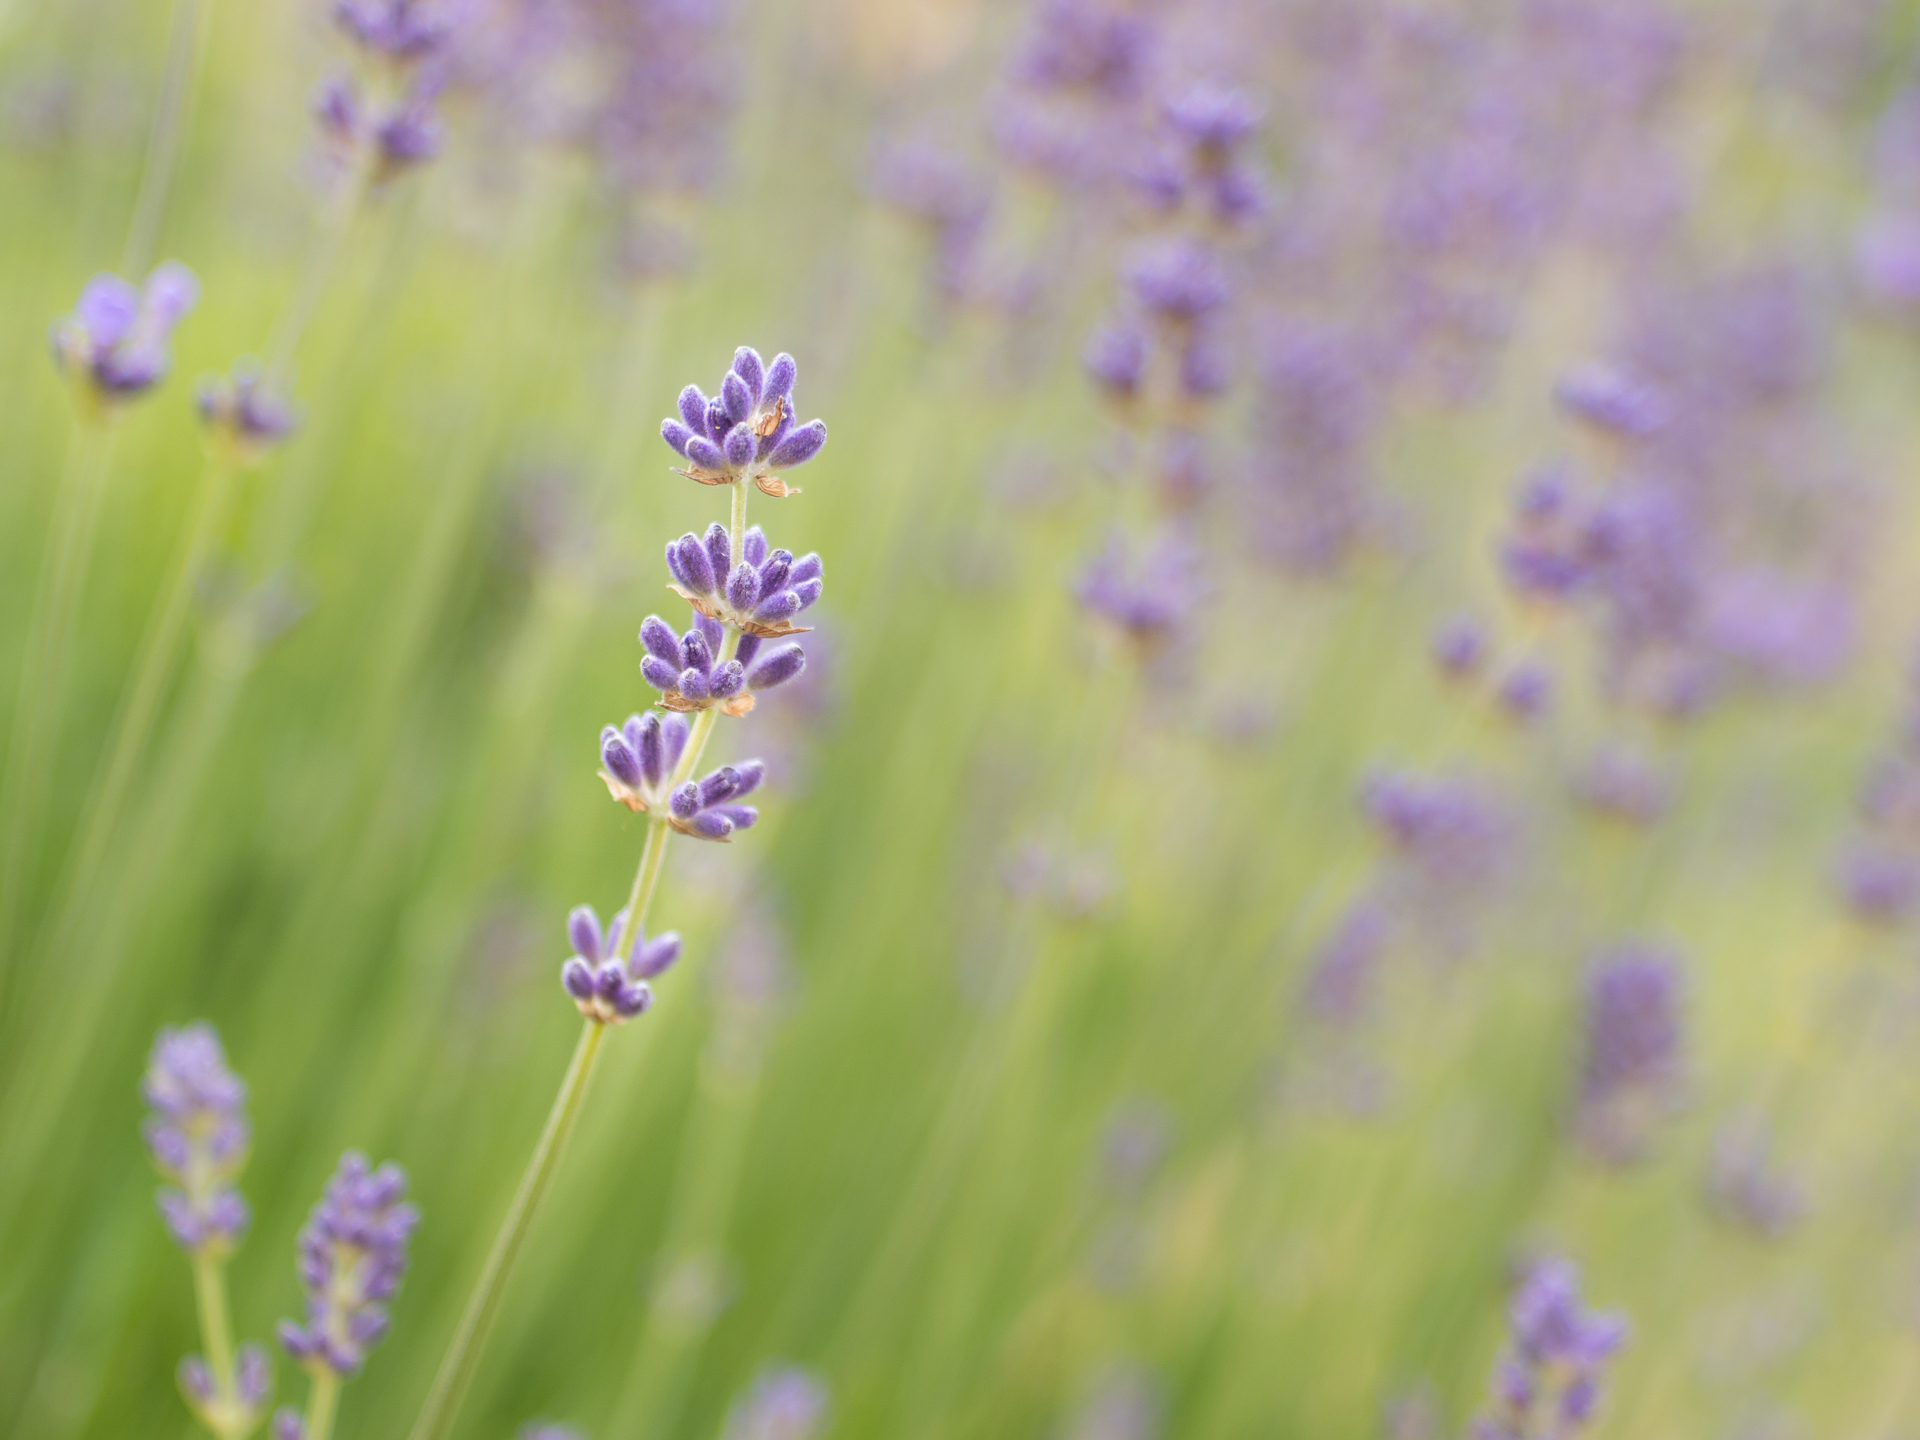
(949, 201)
(1878, 875)
(353, 1253)
(388, 116)
(1633, 1069)
(758, 592)
(1204, 163)
(1547, 1381)
(198, 1137)
(242, 413)
(782, 1404)
(239, 1412)
(1612, 400)
(1449, 832)
(746, 432)
(607, 976)
(1177, 291)
(638, 761)
(1148, 597)
(113, 347)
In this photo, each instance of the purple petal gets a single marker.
(675, 434)
(583, 929)
(660, 640)
(738, 399)
(777, 667)
(800, 446)
(693, 410)
(780, 377)
(108, 307)
(747, 365)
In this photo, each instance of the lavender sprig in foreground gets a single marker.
(744, 593)
(197, 1135)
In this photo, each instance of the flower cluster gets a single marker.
(1633, 1069)
(638, 761)
(113, 347)
(388, 115)
(236, 1410)
(353, 1253)
(243, 413)
(758, 592)
(1878, 876)
(746, 432)
(607, 974)
(782, 1404)
(1547, 1381)
(198, 1137)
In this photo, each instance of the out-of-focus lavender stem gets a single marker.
(169, 128)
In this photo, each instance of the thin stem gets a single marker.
(163, 141)
(737, 525)
(216, 1334)
(456, 1370)
(321, 255)
(153, 667)
(321, 1399)
(652, 855)
(36, 715)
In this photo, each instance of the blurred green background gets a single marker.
(871, 1126)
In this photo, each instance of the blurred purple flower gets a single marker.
(607, 974)
(1547, 1380)
(1634, 1057)
(785, 1403)
(198, 1136)
(353, 1253)
(114, 344)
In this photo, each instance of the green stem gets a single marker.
(322, 252)
(154, 666)
(321, 1400)
(216, 1334)
(36, 716)
(163, 141)
(456, 1370)
(645, 878)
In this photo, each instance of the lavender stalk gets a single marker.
(743, 594)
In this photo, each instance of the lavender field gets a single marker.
(997, 719)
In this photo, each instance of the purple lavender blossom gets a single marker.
(607, 974)
(403, 32)
(785, 1403)
(1179, 282)
(1210, 125)
(1459, 649)
(1526, 692)
(1125, 1405)
(1544, 556)
(637, 760)
(1623, 784)
(244, 413)
(237, 1412)
(709, 809)
(1886, 257)
(198, 1137)
(287, 1424)
(1448, 830)
(114, 344)
(1633, 1066)
(1879, 885)
(746, 432)
(353, 1253)
(758, 592)
(947, 197)
(1149, 595)
(1339, 987)
(1611, 399)
(1547, 1380)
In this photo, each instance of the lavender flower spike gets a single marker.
(607, 976)
(113, 347)
(238, 1413)
(198, 1138)
(1632, 1071)
(758, 592)
(746, 432)
(782, 1404)
(1547, 1381)
(353, 1252)
(242, 413)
